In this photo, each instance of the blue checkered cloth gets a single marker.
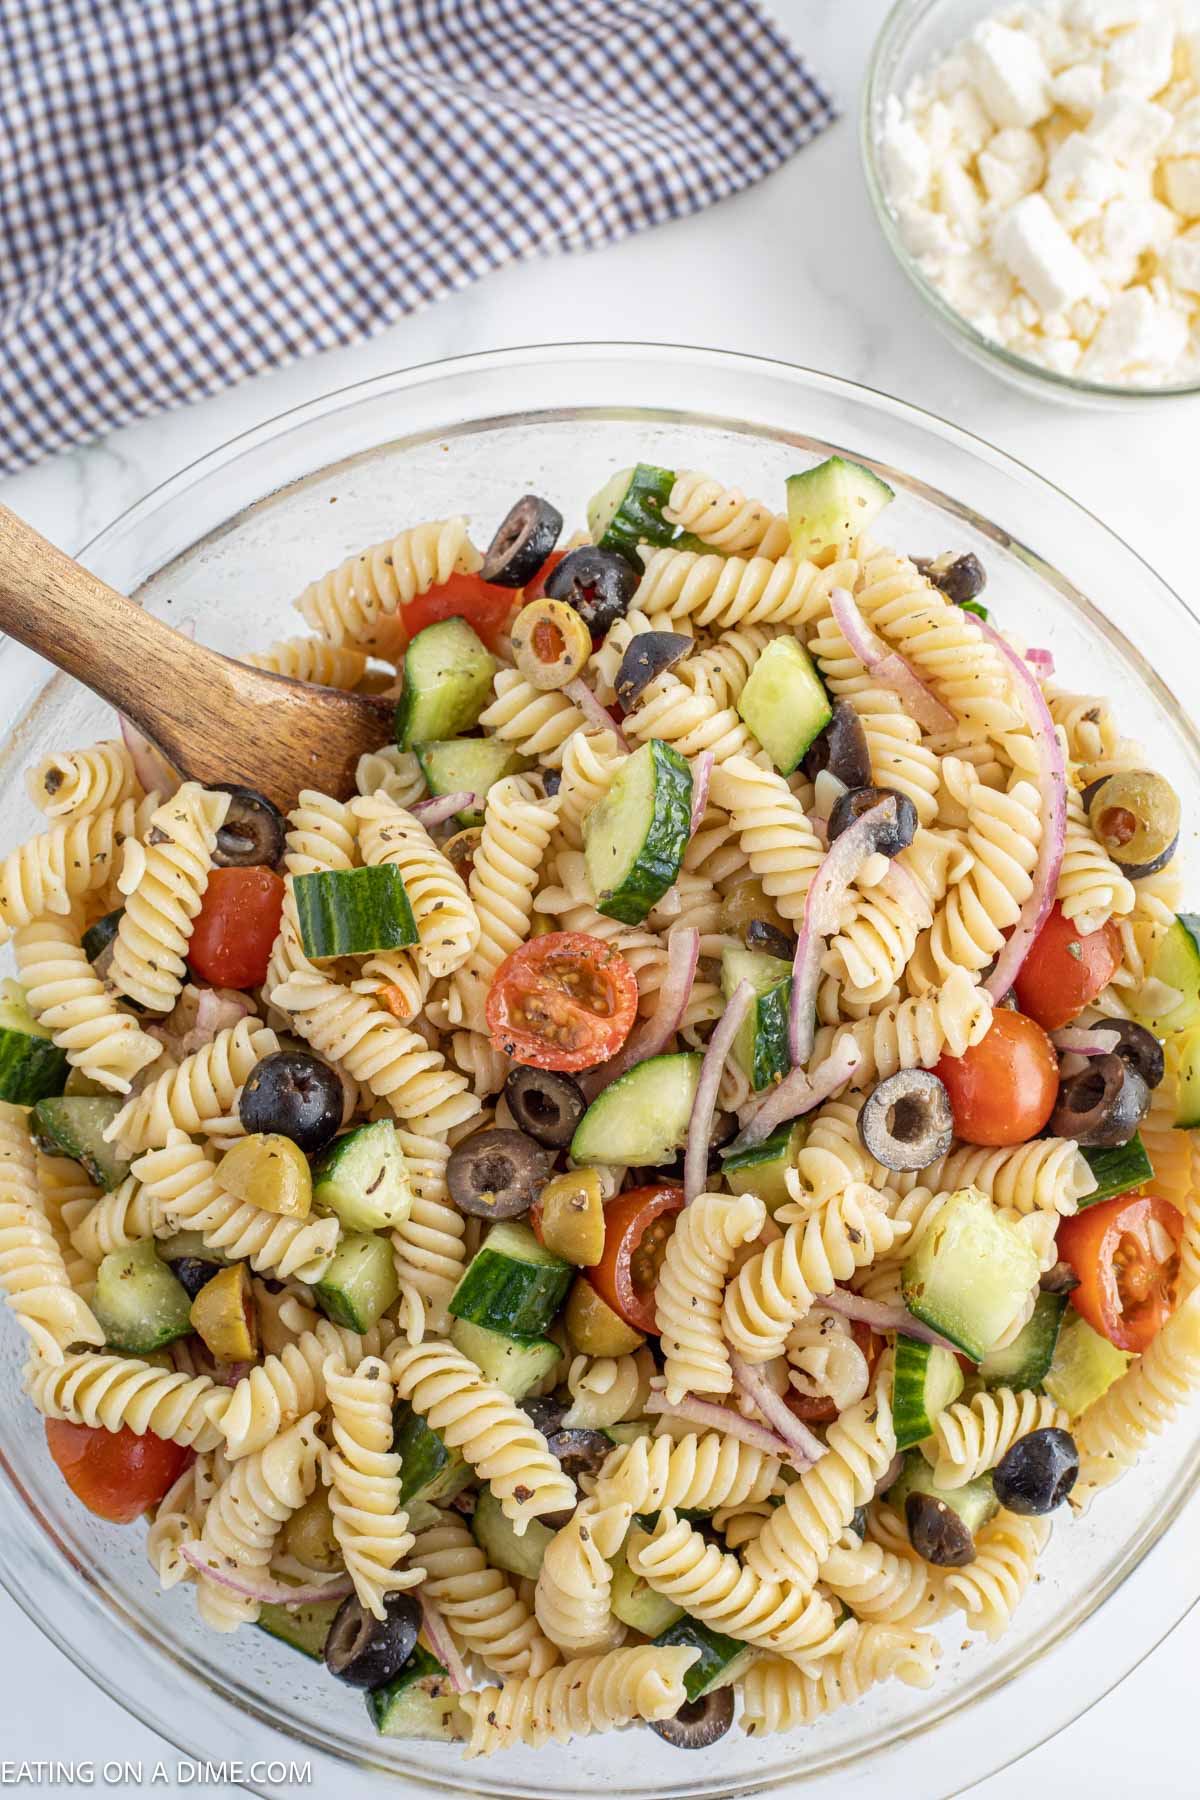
(192, 191)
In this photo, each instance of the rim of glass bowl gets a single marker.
(903, 19)
(171, 1694)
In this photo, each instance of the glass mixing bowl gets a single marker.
(227, 544)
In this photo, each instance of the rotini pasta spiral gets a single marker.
(972, 1436)
(589, 765)
(1116, 1428)
(480, 1604)
(516, 834)
(719, 591)
(32, 1271)
(67, 1198)
(246, 1514)
(778, 1696)
(990, 1589)
(596, 1693)
(66, 996)
(444, 914)
(72, 784)
(90, 1388)
(346, 605)
(691, 1473)
(699, 1253)
(1002, 833)
(914, 1033)
(125, 1216)
(722, 669)
(1047, 1175)
(606, 1390)
(574, 1583)
(164, 882)
(535, 721)
(690, 722)
(199, 1097)
(71, 859)
(393, 772)
(369, 1522)
(429, 1247)
(292, 1381)
(1091, 888)
(724, 517)
(311, 659)
(824, 1361)
(872, 949)
(782, 847)
(886, 1587)
(178, 1520)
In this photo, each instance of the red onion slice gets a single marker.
(442, 1643)
(695, 1162)
(888, 666)
(882, 1317)
(149, 764)
(442, 807)
(579, 691)
(1052, 789)
(822, 915)
(711, 1417)
(1085, 1040)
(804, 1448)
(798, 1093)
(683, 954)
(702, 770)
(265, 1590)
(1043, 662)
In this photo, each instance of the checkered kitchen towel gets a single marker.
(194, 190)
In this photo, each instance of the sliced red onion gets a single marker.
(683, 954)
(695, 1162)
(882, 1317)
(1052, 789)
(442, 1643)
(822, 915)
(820, 825)
(798, 1093)
(579, 691)
(1042, 660)
(265, 1589)
(804, 1449)
(702, 770)
(1085, 1040)
(888, 666)
(149, 764)
(711, 1417)
(442, 807)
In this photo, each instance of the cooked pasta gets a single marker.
(1140, 1403)
(1047, 1175)
(198, 1097)
(110, 1392)
(1091, 889)
(724, 518)
(393, 772)
(369, 1520)
(824, 1361)
(1002, 834)
(480, 1604)
(444, 914)
(291, 1382)
(693, 1473)
(311, 659)
(574, 1583)
(718, 590)
(974, 1435)
(64, 994)
(428, 1248)
(990, 1589)
(888, 1587)
(516, 832)
(163, 881)
(597, 1693)
(75, 783)
(699, 1254)
(536, 722)
(782, 848)
(778, 1696)
(606, 1390)
(914, 1033)
(245, 1516)
(346, 605)
(32, 1272)
(71, 859)
(115, 1220)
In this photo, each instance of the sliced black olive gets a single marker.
(545, 1412)
(254, 830)
(296, 1095)
(99, 937)
(1061, 1279)
(523, 541)
(365, 1651)
(698, 1723)
(893, 835)
(599, 584)
(581, 1452)
(721, 1132)
(551, 782)
(1102, 1106)
(937, 1533)
(841, 748)
(858, 1524)
(192, 1273)
(908, 1122)
(460, 850)
(498, 1174)
(546, 1105)
(1138, 1049)
(648, 656)
(1135, 815)
(1037, 1472)
(960, 578)
(760, 934)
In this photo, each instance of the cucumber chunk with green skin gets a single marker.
(512, 1285)
(74, 1125)
(633, 1600)
(629, 1431)
(829, 505)
(628, 510)
(429, 1471)
(353, 912)
(1085, 1366)
(926, 1379)
(784, 702)
(419, 1702)
(1187, 1082)
(762, 1169)
(497, 1538)
(761, 1048)
(138, 1303)
(1118, 1170)
(447, 683)
(634, 838)
(1174, 965)
(304, 1628)
(969, 1274)
(722, 1659)
(360, 1283)
(469, 766)
(32, 1067)
(642, 1118)
(1026, 1361)
(363, 1178)
(975, 1503)
(516, 1364)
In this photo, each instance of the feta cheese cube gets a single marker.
(1130, 129)
(1011, 166)
(1183, 263)
(1098, 17)
(1060, 354)
(906, 161)
(960, 201)
(1010, 74)
(1036, 249)
(1081, 180)
(1131, 227)
(1080, 88)
(970, 125)
(1185, 132)
(1141, 61)
(927, 235)
(1181, 177)
(1136, 334)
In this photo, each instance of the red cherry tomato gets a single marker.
(116, 1474)
(1126, 1255)
(485, 608)
(537, 587)
(1003, 1090)
(820, 1409)
(637, 1225)
(236, 927)
(562, 1001)
(1065, 970)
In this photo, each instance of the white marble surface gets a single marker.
(794, 269)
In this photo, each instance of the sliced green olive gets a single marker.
(309, 1535)
(1135, 815)
(569, 1215)
(270, 1172)
(224, 1315)
(592, 1325)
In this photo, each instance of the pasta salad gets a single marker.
(662, 1197)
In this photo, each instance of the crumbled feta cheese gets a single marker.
(1011, 166)
(1183, 263)
(960, 201)
(971, 126)
(1081, 181)
(1096, 17)
(1185, 130)
(1128, 128)
(907, 165)
(1136, 334)
(1182, 178)
(1080, 88)
(1131, 227)
(1010, 75)
(1140, 61)
(1038, 251)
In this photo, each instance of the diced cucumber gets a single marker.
(925, 1380)
(74, 1125)
(634, 838)
(762, 1168)
(469, 766)
(419, 1702)
(499, 1542)
(360, 1283)
(831, 504)
(1187, 1082)
(363, 1178)
(642, 1117)
(784, 702)
(1174, 965)
(628, 510)
(138, 1302)
(760, 1049)
(687, 540)
(305, 1627)
(352, 912)
(977, 607)
(1117, 1170)
(629, 1431)
(512, 1284)
(447, 683)
(99, 936)
(969, 1274)
(722, 1659)
(428, 1470)
(189, 1243)
(32, 1067)
(1024, 1362)
(516, 1364)
(975, 1503)
(633, 1600)
(1085, 1366)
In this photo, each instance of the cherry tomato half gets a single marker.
(237, 925)
(637, 1225)
(537, 587)
(820, 1409)
(1065, 970)
(1004, 1088)
(116, 1474)
(1126, 1255)
(485, 608)
(562, 1001)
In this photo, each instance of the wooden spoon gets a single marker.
(214, 719)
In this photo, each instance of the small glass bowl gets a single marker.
(915, 34)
